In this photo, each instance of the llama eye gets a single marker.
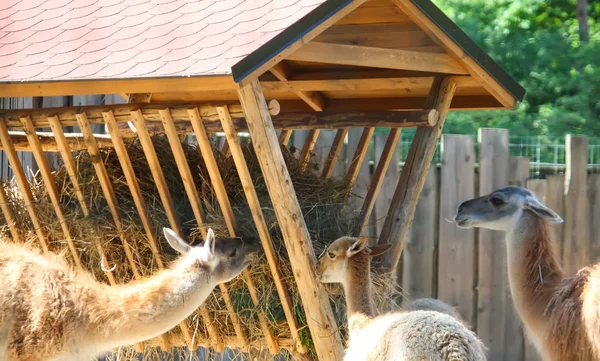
(496, 201)
(232, 254)
(331, 255)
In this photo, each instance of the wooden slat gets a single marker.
(359, 155)
(418, 267)
(69, 161)
(415, 14)
(456, 274)
(284, 137)
(309, 145)
(51, 188)
(330, 53)
(378, 176)
(414, 174)
(576, 229)
(334, 152)
(555, 190)
(375, 15)
(313, 99)
(9, 215)
(492, 298)
(157, 172)
(23, 183)
(321, 322)
(594, 209)
(49, 143)
(183, 166)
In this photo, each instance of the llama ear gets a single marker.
(379, 249)
(358, 246)
(209, 243)
(532, 204)
(176, 242)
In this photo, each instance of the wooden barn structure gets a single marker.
(266, 67)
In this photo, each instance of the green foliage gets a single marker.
(537, 42)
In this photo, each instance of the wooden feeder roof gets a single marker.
(327, 53)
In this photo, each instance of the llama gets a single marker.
(431, 304)
(561, 315)
(400, 336)
(50, 312)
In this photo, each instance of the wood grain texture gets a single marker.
(321, 323)
(456, 274)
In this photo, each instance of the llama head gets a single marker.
(333, 263)
(224, 258)
(501, 209)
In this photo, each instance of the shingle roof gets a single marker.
(95, 39)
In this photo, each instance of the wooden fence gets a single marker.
(467, 268)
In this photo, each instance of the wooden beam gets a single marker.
(334, 152)
(413, 174)
(359, 155)
(330, 53)
(255, 208)
(309, 145)
(134, 98)
(51, 188)
(445, 40)
(313, 99)
(23, 183)
(377, 179)
(284, 137)
(50, 142)
(321, 322)
(326, 22)
(112, 86)
(9, 215)
(67, 155)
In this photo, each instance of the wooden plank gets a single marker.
(576, 229)
(493, 275)
(321, 322)
(51, 188)
(307, 148)
(594, 209)
(313, 99)
(514, 338)
(555, 188)
(375, 15)
(138, 199)
(49, 143)
(107, 188)
(359, 155)
(334, 152)
(133, 98)
(284, 137)
(183, 166)
(456, 274)
(9, 215)
(387, 154)
(419, 263)
(414, 173)
(330, 53)
(334, 17)
(23, 183)
(388, 184)
(69, 161)
(447, 42)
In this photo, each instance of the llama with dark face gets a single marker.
(561, 314)
(50, 312)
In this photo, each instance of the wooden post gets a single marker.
(492, 297)
(309, 145)
(334, 152)
(456, 274)
(23, 183)
(359, 155)
(594, 209)
(320, 321)
(284, 137)
(9, 215)
(414, 173)
(576, 231)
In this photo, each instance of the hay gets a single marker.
(324, 203)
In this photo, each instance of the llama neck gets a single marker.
(357, 288)
(142, 310)
(534, 270)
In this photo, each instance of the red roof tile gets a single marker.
(96, 39)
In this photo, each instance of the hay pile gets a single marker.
(323, 203)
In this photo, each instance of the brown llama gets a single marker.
(397, 336)
(50, 312)
(561, 314)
